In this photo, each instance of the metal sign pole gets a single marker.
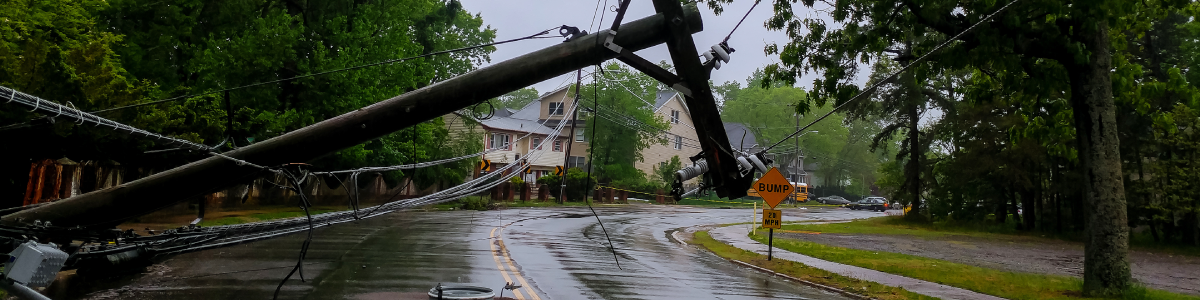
(770, 242)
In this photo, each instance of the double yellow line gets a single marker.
(501, 257)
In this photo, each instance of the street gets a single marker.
(553, 253)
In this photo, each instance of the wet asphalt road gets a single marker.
(554, 253)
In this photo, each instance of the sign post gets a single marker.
(773, 188)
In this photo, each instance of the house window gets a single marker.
(576, 162)
(579, 135)
(678, 142)
(517, 157)
(500, 141)
(537, 143)
(556, 108)
(674, 117)
(558, 146)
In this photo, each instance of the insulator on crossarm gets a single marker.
(697, 169)
(721, 53)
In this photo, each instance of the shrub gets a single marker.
(577, 184)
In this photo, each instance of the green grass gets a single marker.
(798, 270)
(999, 283)
(989, 230)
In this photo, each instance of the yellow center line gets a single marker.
(504, 252)
(500, 265)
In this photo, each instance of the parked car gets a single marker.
(834, 200)
(870, 203)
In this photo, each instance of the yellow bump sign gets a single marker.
(773, 187)
(772, 219)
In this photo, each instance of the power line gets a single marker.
(739, 23)
(46, 107)
(893, 75)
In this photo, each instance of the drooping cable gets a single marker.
(872, 88)
(48, 108)
(591, 160)
(305, 204)
(219, 236)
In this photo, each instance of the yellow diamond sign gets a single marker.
(773, 187)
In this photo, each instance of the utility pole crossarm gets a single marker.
(114, 205)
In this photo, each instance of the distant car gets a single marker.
(834, 200)
(871, 203)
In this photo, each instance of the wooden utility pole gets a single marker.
(703, 106)
(562, 199)
(115, 205)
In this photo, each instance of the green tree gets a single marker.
(519, 98)
(57, 50)
(252, 41)
(839, 147)
(1067, 37)
(624, 125)
(665, 174)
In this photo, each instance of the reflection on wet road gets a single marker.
(553, 253)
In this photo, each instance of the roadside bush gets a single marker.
(474, 204)
(577, 184)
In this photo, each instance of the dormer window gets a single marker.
(556, 108)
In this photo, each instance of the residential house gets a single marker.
(513, 135)
(538, 119)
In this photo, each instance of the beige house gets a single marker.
(537, 120)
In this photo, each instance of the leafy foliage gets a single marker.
(519, 98)
(624, 126)
(104, 54)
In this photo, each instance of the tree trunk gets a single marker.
(1106, 237)
(1058, 213)
(1039, 200)
(1001, 211)
(1028, 207)
(914, 161)
(1012, 209)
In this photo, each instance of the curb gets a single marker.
(805, 282)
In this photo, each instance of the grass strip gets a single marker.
(989, 230)
(994, 282)
(804, 272)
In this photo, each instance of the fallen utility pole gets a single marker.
(115, 205)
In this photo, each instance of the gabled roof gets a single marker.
(662, 98)
(503, 112)
(735, 132)
(513, 124)
(665, 96)
(533, 110)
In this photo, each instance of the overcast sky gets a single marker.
(516, 18)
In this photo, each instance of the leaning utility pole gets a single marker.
(115, 205)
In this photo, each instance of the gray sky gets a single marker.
(516, 18)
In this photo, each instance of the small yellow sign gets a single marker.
(559, 170)
(772, 218)
(773, 187)
(485, 165)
